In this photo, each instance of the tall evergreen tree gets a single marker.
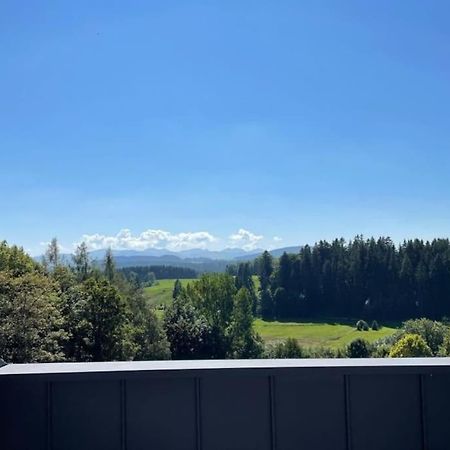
(52, 257)
(81, 261)
(177, 289)
(265, 270)
(109, 266)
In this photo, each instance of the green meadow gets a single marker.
(321, 333)
(317, 334)
(161, 292)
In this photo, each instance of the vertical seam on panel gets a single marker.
(49, 416)
(198, 415)
(123, 415)
(272, 412)
(348, 424)
(423, 412)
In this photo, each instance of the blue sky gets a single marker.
(296, 120)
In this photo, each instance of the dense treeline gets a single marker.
(52, 312)
(87, 312)
(148, 274)
(362, 278)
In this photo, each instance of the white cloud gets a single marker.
(277, 238)
(245, 239)
(161, 239)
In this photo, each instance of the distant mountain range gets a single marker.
(226, 254)
(198, 259)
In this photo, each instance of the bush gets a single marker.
(444, 349)
(323, 352)
(362, 325)
(288, 349)
(359, 348)
(432, 332)
(410, 346)
(380, 350)
(375, 326)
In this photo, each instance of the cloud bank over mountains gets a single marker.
(175, 242)
(245, 239)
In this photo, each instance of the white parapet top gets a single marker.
(138, 366)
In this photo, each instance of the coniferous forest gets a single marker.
(370, 278)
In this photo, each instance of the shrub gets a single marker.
(288, 349)
(375, 326)
(380, 350)
(410, 346)
(362, 325)
(432, 332)
(359, 348)
(323, 352)
(444, 349)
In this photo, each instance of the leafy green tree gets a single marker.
(148, 336)
(13, 259)
(30, 320)
(359, 348)
(213, 297)
(187, 330)
(431, 331)
(444, 349)
(106, 316)
(245, 342)
(410, 346)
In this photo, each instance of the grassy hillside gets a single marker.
(313, 334)
(161, 292)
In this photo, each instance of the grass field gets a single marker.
(161, 292)
(317, 334)
(326, 333)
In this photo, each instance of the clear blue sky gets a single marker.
(283, 118)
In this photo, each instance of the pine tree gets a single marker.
(110, 266)
(52, 254)
(265, 270)
(177, 289)
(81, 261)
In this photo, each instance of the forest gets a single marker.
(148, 274)
(366, 278)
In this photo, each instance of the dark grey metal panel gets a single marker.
(161, 414)
(23, 414)
(86, 415)
(437, 411)
(218, 405)
(235, 413)
(310, 412)
(385, 412)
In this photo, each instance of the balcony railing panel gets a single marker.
(368, 404)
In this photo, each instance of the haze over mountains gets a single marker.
(227, 254)
(199, 259)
